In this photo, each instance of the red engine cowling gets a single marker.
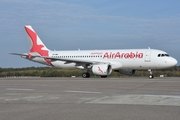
(102, 69)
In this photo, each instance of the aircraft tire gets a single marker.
(151, 76)
(85, 75)
(104, 76)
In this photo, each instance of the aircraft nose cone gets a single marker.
(174, 62)
(170, 62)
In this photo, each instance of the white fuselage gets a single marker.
(119, 59)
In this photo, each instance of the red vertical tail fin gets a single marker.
(36, 45)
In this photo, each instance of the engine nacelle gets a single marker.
(102, 69)
(126, 72)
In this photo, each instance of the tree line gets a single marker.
(57, 72)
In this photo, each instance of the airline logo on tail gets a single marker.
(36, 45)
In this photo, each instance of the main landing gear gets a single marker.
(105, 76)
(150, 74)
(86, 75)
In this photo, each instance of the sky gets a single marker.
(88, 24)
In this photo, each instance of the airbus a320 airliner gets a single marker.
(101, 62)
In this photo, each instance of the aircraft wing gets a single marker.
(71, 60)
(84, 63)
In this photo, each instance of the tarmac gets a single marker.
(130, 98)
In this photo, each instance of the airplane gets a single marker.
(101, 62)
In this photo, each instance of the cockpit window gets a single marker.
(167, 55)
(163, 55)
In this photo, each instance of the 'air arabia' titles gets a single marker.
(128, 55)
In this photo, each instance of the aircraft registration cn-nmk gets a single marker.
(101, 62)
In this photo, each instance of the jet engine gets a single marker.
(102, 69)
(126, 72)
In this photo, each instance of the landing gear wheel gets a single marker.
(151, 76)
(85, 75)
(104, 76)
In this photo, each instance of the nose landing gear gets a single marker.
(151, 76)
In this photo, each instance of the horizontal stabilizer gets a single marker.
(20, 54)
(27, 55)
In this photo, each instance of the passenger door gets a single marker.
(148, 56)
